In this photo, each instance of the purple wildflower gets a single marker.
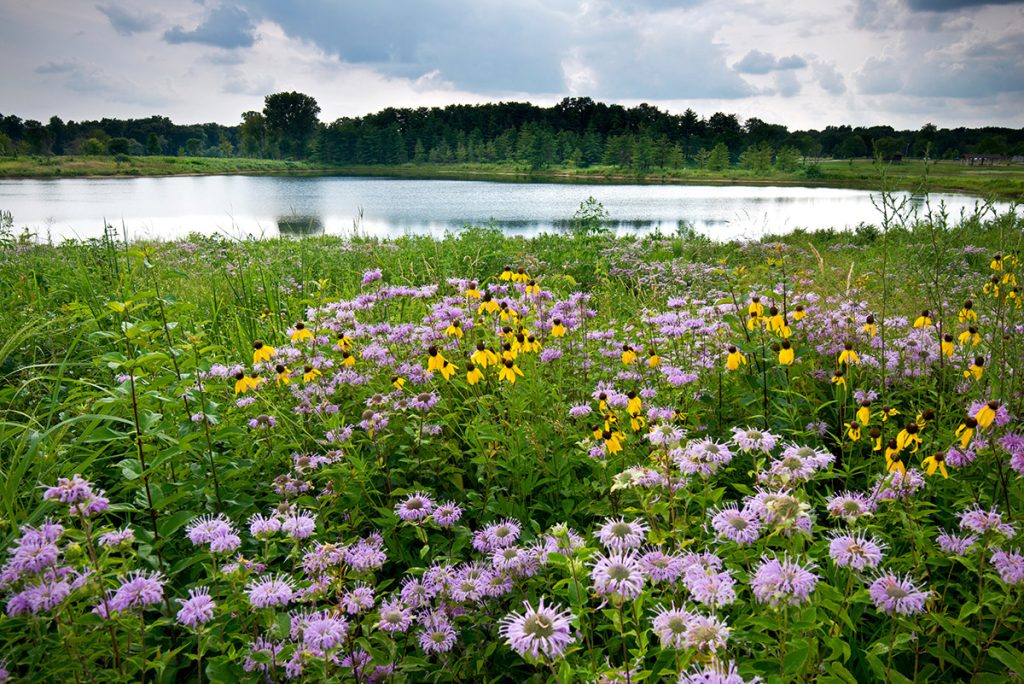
(706, 633)
(416, 507)
(437, 635)
(268, 592)
(618, 573)
(736, 524)
(981, 521)
(671, 624)
(954, 544)
(117, 538)
(1009, 565)
(855, 551)
(447, 514)
(782, 581)
(715, 673)
(750, 439)
(197, 609)
(894, 594)
(394, 617)
(618, 535)
(299, 525)
(540, 632)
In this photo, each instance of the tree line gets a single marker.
(575, 132)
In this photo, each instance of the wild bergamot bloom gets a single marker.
(924, 320)
(936, 461)
(301, 333)
(262, 352)
(869, 326)
(542, 632)
(557, 329)
(509, 371)
(976, 368)
(735, 358)
(848, 355)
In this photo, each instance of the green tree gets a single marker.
(787, 158)
(154, 146)
(757, 158)
(851, 147)
(886, 147)
(291, 120)
(702, 158)
(253, 134)
(718, 159)
(118, 146)
(590, 218)
(193, 147)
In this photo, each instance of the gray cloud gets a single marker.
(226, 26)
(757, 62)
(952, 5)
(65, 67)
(829, 78)
(879, 76)
(787, 84)
(126, 21)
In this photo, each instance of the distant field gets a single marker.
(1002, 182)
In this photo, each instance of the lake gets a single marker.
(267, 206)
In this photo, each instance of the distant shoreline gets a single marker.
(998, 182)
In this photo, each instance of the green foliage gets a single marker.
(718, 159)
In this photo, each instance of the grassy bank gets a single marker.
(295, 457)
(998, 182)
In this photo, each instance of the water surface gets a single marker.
(267, 206)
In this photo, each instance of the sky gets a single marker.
(802, 63)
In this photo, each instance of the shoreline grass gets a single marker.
(1002, 182)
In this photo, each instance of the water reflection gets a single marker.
(300, 226)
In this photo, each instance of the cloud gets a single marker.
(85, 78)
(237, 83)
(127, 22)
(64, 67)
(757, 62)
(226, 26)
(879, 76)
(829, 78)
(787, 84)
(953, 5)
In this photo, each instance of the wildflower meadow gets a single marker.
(482, 458)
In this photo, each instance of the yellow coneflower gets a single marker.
(472, 292)
(628, 355)
(997, 262)
(986, 414)
(347, 359)
(966, 431)
(454, 329)
(869, 326)
(637, 422)
(398, 382)
(598, 431)
(262, 352)
(265, 314)
(864, 412)
(435, 361)
(976, 368)
(532, 287)
(947, 347)
(241, 383)
(612, 442)
(557, 329)
(635, 404)
(893, 458)
(531, 345)
(909, 438)
(970, 336)
(508, 352)
(654, 361)
(754, 321)
(799, 313)
(344, 342)
(755, 308)
(876, 438)
(839, 378)
(609, 420)
(967, 313)
(888, 412)
(992, 286)
(506, 312)
(602, 402)
(848, 355)
(853, 431)
(487, 304)
(283, 375)
(786, 353)
(518, 342)
(735, 359)
(309, 373)
(777, 323)
(936, 461)
(447, 370)
(925, 417)
(473, 374)
(301, 333)
(506, 274)
(924, 320)
(520, 275)
(483, 356)
(509, 371)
